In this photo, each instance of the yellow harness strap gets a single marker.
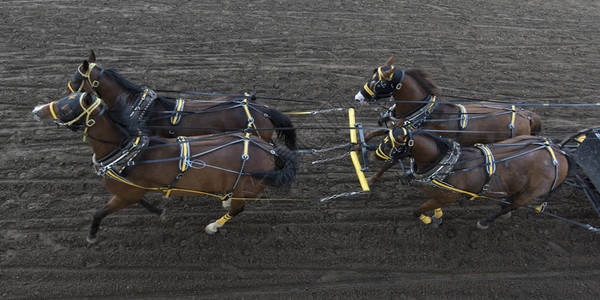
(513, 116)
(450, 187)
(249, 116)
(176, 117)
(184, 150)
(489, 158)
(549, 148)
(464, 117)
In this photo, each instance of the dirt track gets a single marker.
(357, 247)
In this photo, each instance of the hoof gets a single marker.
(211, 228)
(226, 204)
(163, 215)
(506, 215)
(435, 222)
(91, 239)
(481, 226)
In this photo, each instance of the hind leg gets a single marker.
(160, 212)
(237, 206)
(485, 223)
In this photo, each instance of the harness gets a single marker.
(185, 162)
(122, 157)
(141, 108)
(415, 117)
(176, 115)
(490, 167)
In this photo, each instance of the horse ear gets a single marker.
(387, 74)
(92, 57)
(390, 61)
(85, 66)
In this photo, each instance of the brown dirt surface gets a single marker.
(365, 246)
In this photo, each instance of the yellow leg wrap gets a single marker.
(438, 213)
(224, 219)
(425, 219)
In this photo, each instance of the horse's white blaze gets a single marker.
(36, 111)
(359, 97)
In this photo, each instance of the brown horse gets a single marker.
(238, 165)
(517, 170)
(467, 124)
(170, 118)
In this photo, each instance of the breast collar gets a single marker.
(439, 170)
(415, 117)
(122, 157)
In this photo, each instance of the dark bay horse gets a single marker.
(467, 124)
(169, 117)
(517, 170)
(132, 163)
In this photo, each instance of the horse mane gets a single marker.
(120, 113)
(443, 144)
(424, 79)
(133, 89)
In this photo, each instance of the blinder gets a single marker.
(379, 87)
(79, 77)
(73, 117)
(397, 149)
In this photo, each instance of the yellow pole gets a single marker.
(353, 154)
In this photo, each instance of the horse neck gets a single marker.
(425, 150)
(109, 90)
(410, 91)
(104, 136)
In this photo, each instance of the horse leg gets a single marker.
(160, 212)
(115, 204)
(485, 223)
(438, 199)
(98, 216)
(237, 206)
(379, 173)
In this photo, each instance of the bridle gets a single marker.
(398, 149)
(383, 87)
(73, 119)
(81, 77)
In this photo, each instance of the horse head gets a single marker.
(384, 83)
(396, 145)
(73, 112)
(87, 77)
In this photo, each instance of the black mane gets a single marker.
(424, 79)
(133, 89)
(120, 113)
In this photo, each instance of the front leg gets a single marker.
(382, 170)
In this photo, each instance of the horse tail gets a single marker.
(535, 123)
(286, 167)
(283, 126)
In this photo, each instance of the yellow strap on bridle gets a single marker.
(368, 90)
(87, 75)
(54, 115)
